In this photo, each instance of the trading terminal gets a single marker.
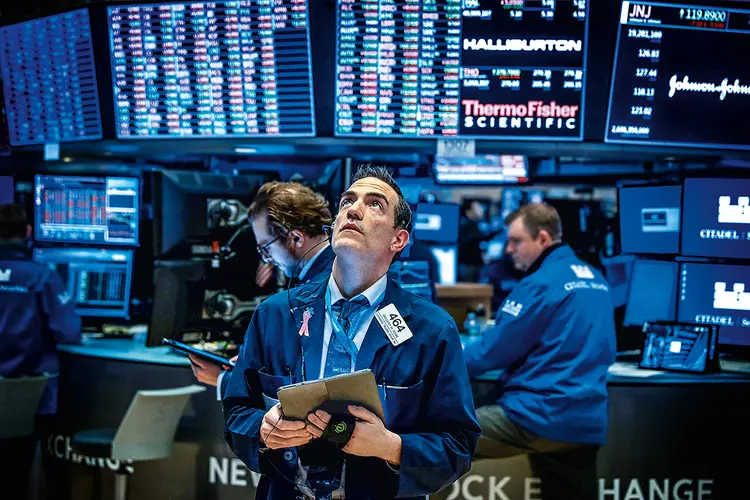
(136, 136)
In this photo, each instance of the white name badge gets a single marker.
(394, 325)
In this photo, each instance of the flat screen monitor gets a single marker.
(94, 210)
(461, 68)
(677, 77)
(98, 280)
(49, 80)
(437, 222)
(650, 219)
(716, 218)
(653, 292)
(487, 169)
(714, 294)
(212, 69)
(7, 189)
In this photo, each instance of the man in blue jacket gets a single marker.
(36, 314)
(336, 326)
(553, 341)
(289, 222)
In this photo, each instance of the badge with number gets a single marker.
(394, 325)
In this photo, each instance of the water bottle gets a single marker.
(471, 325)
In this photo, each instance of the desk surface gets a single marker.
(619, 373)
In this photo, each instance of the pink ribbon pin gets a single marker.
(305, 329)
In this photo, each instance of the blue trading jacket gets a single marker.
(424, 388)
(35, 315)
(554, 340)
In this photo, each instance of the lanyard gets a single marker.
(361, 317)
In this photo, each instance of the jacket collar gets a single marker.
(312, 297)
(13, 250)
(559, 250)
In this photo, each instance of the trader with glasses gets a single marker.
(289, 221)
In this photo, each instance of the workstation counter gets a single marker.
(681, 433)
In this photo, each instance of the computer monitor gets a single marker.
(650, 219)
(715, 294)
(95, 210)
(618, 270)
(481, 170)
(437, 222)
(716, 218)
(7, 189)
(98, 280)
(653, 292)
(447, 258)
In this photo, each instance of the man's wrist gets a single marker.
(393, 450)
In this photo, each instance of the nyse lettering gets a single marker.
(230, 472)
(58, 446)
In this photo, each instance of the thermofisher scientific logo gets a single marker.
(522, 45)
(723, 89)
(532, 115)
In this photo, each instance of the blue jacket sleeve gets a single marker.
(59, 308)
(519, 326)
(438, 456)
(243, 401)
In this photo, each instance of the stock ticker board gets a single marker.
(212, 69)
(681, 76)
(491, 69)
(49, 80)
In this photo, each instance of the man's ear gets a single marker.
(400, 240)
(544, 238)
(296, 238)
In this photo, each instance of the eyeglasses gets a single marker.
(264, 252)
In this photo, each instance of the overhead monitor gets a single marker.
(483, 170)
(652, 295)
(49, 80)
(713, 294)
(437, 222)
(98, 280)
(461, 68)
(678, 78)
(212, 69)
(716, 218)
(86, 209)
(650, 219)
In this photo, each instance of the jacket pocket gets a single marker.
(269, 385)
(401, 405)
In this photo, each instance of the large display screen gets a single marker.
(653, 292)
(98, 280)
(713, 294)
(483, 170)
(437, 222)
(49, 80)
(94, 210)
(716, 218)
(678, 77)
(212, 69)
(467, 68)
(650, 219)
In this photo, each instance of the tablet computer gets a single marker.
(357, 388)
(188, 349)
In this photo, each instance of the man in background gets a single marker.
(289, 222)
(36, 314)
(553, 342)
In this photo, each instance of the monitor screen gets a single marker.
(716, 218)
(677, 78)
(487, 169)
(466, 68)
(49, 80)
(713, 294)
(652, 295)
(7, 189)
(98, 280)
(212, 69)
(437, 222)
(92, 210)
(650, 219)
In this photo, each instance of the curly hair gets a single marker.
(290, 206)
